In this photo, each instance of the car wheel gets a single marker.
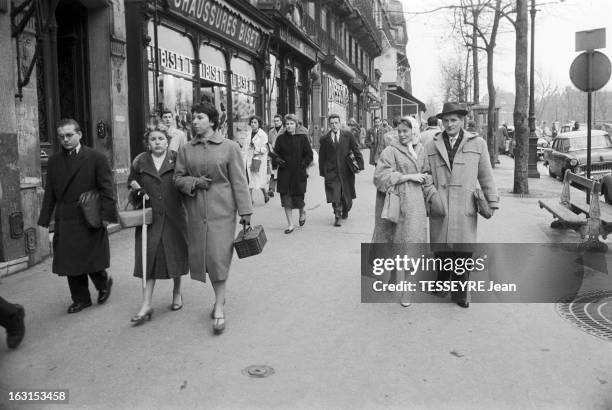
(550, 172)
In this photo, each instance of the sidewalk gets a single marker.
(297, 309)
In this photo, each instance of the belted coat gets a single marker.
(471, 169)
(211, 213)
(77, 248)
(169, 217)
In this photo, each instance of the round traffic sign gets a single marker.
(600, 71)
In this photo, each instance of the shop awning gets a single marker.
(400, 92)
(340, 65)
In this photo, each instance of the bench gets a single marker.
(590, 219)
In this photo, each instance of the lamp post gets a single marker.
(532, 167)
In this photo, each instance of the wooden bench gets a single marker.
(588, 219)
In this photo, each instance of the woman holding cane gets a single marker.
(151, 174)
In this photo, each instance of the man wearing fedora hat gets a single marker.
(458, 161)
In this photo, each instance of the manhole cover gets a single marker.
(258, 371)
(591, 312)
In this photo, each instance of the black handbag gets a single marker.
(91, 206)
(352, 163)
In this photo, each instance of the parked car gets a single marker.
(568, 151)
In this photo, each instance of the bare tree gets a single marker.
(454, 80)
(521, 102)
(544, 93)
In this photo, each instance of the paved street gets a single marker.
(297, 309)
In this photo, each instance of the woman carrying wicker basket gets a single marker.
(152, 174)
(209, 172)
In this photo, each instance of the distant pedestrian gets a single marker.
(152, 174)
(576, 126)
(79, 250)
(336, 146)
(257, 159)
(274, 132)
(209, 172)
(432, 129)
(11, 319)
(293, 156)
(459, 164)
(177, 137)
(374, 141)
(354, 128)
(385, 126)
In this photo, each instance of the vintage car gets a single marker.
(569, 151)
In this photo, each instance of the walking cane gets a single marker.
(144, 242)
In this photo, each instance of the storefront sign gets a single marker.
(286, 35)
(218, 75)
(212, 73)
(173, 62)
(337, 91)
(221, 18)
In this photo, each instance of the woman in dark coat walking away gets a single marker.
(293, 156)
(153, 172)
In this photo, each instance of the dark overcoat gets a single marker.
(169, 217)
(339, 180)
(77, 248)
(296, 151)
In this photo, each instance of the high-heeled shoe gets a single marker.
(140, 319)
(177, 306)
(302, 219)
(219, 325)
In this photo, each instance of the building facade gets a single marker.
(184, 52)
(62, 58)
(395, 79)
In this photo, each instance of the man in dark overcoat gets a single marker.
(375, 141)
(78, 249)
(339, 179)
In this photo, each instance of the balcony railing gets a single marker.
(364, 7)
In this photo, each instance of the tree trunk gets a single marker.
(521, 102)
(476, 76)
(491, 112)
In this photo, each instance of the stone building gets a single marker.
(61, 58)
(395, 79)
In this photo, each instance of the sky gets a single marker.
(431, 42)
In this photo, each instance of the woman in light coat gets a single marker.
(400, 168)
(257, 159)
(209, 172)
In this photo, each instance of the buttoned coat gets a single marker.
(339, 180)
(169, 217)
(211, 213)
(258, 149)
(77, 248)
(471, 169)
(295, 150)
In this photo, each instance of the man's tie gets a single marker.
(336, 137)
(452, 142)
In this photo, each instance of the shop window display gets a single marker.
(243, 100)
(213, 83)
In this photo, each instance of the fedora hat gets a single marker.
(453, 108)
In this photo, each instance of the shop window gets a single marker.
(244, 99)
(213, 82)
(174, 87)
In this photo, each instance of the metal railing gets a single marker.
(364, 7)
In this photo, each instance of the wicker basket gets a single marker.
(250, 241)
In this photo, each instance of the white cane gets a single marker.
(144, 242)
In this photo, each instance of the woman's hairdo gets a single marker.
(291, 117)
(154, 125)
(406, 122)
(255, 117)
(210, 110)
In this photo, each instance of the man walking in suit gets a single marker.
(374, 141)
(458, 161)
(78, 249)
(335, 147)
